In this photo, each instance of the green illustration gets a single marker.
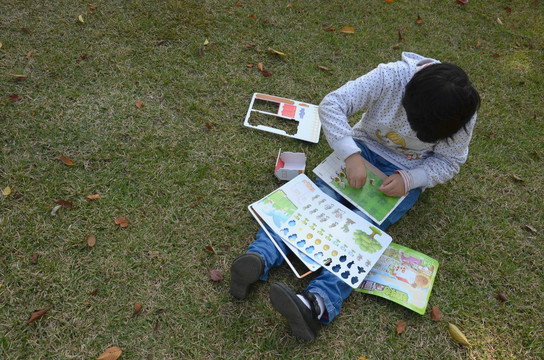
(366, 241)
(376, 203)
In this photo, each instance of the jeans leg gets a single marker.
(270, 254)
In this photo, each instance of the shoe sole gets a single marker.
(244, 271)
(285, 302)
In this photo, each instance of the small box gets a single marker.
(289, 165)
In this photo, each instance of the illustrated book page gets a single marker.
(323, 229)
(404, 276)
(368, 199)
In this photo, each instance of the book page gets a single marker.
(368, 199)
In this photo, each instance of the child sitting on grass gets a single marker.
(418, 123)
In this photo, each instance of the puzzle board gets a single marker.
(305, 116)
(323, 229)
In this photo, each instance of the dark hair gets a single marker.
(439, 101)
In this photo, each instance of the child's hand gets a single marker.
(393, 186)
(356, 170)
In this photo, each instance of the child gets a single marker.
(418, 123)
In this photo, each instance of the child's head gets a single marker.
(439, 101)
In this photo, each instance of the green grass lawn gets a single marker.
(182, 168)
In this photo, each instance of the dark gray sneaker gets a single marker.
(244, 271)
(303, 321)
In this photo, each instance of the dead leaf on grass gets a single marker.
(80, 18)
(28, 55)
(65, 204)
(502, 297)
(34, 258)
(517, 178)
(13, 98)
(531, 229)
(276, 52)
(6, 191)
(93, 197)
(401, 327)
(435, 313)
(419, 20)
(260, 66)
(91, 240)
(92, 7)
(323, 68)
(216, 275)
(137, 308)
(139, 103)
(266, 73)
(65, 160)
(19, 76)
(122, 221)
(347, 30)
(112, 353)
(26, 31)
(208, 125)
(38, 314)
(210, 249)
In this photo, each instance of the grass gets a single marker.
(183, 169)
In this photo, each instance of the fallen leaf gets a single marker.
(0, 44)
(435, 313)
(531, 229)
(26, 31)
(55, 209)
(508, 9)
(249, 65)
(65, 204)
(13, 98)
(499, 21)
(518, 44)
(462, 2)
(208, 125)
(93, 197)
(92, 7)
(289, 6)
(478, 44)
(517, 178)
(389, 1)
(401, 327)
(206, 42)
(276, 52)
(94, 292)
(139, 103)
(6, 191)
(260, 66)
(121, 221)
(112, 353)
(330, 28)
(65, 160)
(266, 73)
(210, 249)
(252, 16)
(83, 56)
(323, 68)
(38, 314)
(347, 30)
(491, 135)
(29, 54)
(216, 275)
(200, 50)
(91, 240)
(238, 4)
(457, 335)
(396, 46)
(34, 258)
(419, 20)
(19, 76)
(80, 18)
(496, 56)
(400, 35)
(137, 308)
(502, 297)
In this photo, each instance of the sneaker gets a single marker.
(244, 271)
(302, 320)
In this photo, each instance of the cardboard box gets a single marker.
(289, 165)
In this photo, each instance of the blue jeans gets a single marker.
(331, 288)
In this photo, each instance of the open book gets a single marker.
(402, 275)
(368, 199)
(323, 230)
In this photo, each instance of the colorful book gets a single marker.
(322, 229)
(368, 199)
(402, 275)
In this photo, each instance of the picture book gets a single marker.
(402, 275)
(283, 116)
(368, 199)
(322, 229)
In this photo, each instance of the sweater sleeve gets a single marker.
(339, 105)
(445, 161)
